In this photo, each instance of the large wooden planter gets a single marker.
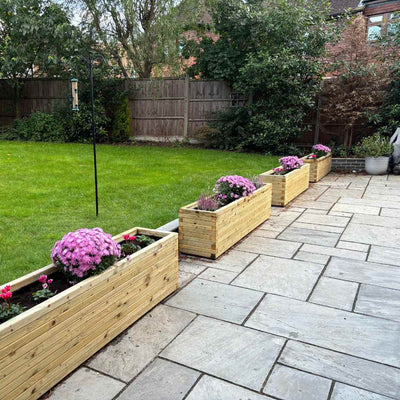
(287, 187)
(44, 344)
(211, 233)
(319, 167)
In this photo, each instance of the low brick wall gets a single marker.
(348, 164)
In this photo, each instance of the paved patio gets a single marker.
(307, 307)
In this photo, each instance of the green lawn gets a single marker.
(47, 190)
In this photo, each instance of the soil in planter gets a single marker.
(24, 297)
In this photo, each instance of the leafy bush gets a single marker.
(39, 127)
(374, 146)
(272, 56)
(121, 125)
(85, 252)
(206, 133)
(78, 124)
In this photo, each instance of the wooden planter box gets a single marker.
(287, 187)
(319, 167)
(44, 344)
(210, 233)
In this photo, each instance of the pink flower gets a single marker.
(50, 281)
(126, 237)
(45, 285)
(6, 295)
(132, 238)
(6, 289)
(42, 278)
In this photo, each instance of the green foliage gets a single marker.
(206, 133)
(272, 52)
(39, 127)
(143, 36)
(144, 240)
(374, 146)
(9, 310)
(42, 294)
(121, 123)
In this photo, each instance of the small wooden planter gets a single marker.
(319, 167)
(210, 233)
(44, 344)
(287, 187)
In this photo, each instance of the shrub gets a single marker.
(207, 203)
(85, 252)
(39, 127)
(206, 134)
(232, 187)
(374, 146)
(121, 125)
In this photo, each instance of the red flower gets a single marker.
(42, 278)
(132, 238)
(126, 237)
(6, 295)
(6, 289)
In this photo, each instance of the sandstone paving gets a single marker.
(291, 278)
(358, 335)
(335, 293)
(341, 367)
(305, 307)
(215, 299)
(228, 351)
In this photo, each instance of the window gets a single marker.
(383, 24)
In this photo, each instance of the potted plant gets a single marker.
(96, 287)
(288, 180)
(213, 224)
(376, 149)
(320, 161)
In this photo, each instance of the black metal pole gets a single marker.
(93, 133)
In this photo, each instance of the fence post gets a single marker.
(186, 108)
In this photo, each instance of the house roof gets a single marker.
(340, 6)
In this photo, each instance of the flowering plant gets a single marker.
(232, 187)
(207, 203)
(7, 309)
(132, 244)
(85, 252)
(45, 292)
(288, 164)
(319, 150)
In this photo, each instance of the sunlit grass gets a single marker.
(47, 190)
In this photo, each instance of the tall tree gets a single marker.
(35, 38)
(141, 35)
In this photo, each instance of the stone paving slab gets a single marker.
(216, 300)
(235, 261)
(326, 220)
(312, 257)
(371, 203)
(128, 354)
(210, 388)
(379, 301)
(218, 275)
(344, 392)
(358, 335)
(335, 293)
(385, 255)
(291, 384)
(352, 246)
(237, 354)
(185, 278)
(311, 236)
(316, 227)
(291, 278)
(390, 212)
(269, 247)
(344, 368)
(364, 272)
(334, 252)
(356, 209)
(368, 234)
(85, 384)
(161, 380)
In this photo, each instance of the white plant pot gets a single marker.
(376, 166)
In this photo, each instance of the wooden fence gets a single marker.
(161, 110)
